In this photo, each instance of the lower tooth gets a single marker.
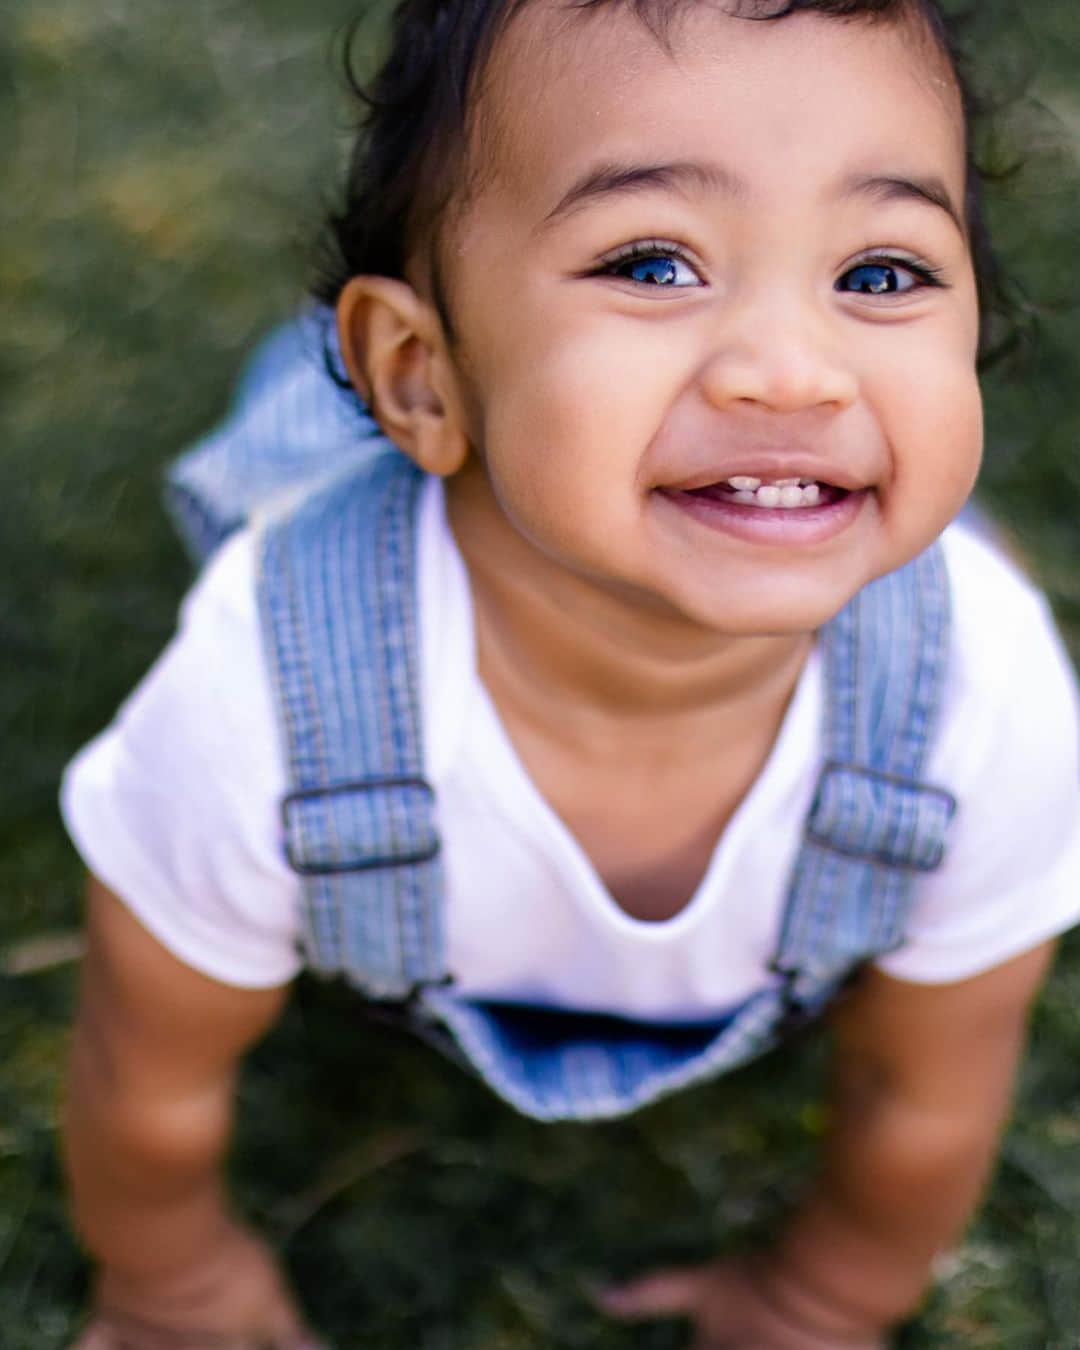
(768, 496)
(791, 496)
(811, 494)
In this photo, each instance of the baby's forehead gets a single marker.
(562, 76)
(549, 52)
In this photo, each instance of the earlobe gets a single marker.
(395, 354)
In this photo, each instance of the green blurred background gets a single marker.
(163, 169)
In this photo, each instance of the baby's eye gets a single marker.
(653, 267)
(886, 278)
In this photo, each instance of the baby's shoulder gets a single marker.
(209, 694)
(1010, 687)
(223, 594)
(1002, 626)
(989, 588)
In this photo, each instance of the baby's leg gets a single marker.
(148, 1119)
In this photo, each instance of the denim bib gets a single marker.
(337, 599)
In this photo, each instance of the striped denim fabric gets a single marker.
(337, 593)
(289, 427)
(873, 824)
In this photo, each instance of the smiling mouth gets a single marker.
(786, 512)
(781, 494)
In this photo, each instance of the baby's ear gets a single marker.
(394, 349)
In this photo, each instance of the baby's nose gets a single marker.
(786, 360)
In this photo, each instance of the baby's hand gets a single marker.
(730, 1307)
(108, 1333)
(236, 1299)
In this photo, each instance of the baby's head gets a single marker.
(408, 165)
(680, 296)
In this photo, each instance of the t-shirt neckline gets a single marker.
(509, 787)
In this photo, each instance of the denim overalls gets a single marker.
(336, 508)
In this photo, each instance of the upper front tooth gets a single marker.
(788, 482)
(744, 484)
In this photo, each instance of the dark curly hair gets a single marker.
(409, 152)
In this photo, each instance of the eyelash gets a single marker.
(925, 273)
(645, 248)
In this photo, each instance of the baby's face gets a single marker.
(715, 309)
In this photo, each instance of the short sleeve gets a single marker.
(174, 806)
(1009, 748)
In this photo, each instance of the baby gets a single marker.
(629, 696)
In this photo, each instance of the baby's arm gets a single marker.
(922, 1085)
(922, 1081)
(148, 1119)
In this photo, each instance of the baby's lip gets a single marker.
(771, 468)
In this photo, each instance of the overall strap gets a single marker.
(288, 429)
(874, 825)
(337, 594)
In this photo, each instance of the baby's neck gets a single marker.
(567, 652)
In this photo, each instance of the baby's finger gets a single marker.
(664, 1293)
(111, 1333)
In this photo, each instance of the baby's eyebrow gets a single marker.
(612, 179)
(904, 187)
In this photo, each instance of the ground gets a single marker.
(164, 167)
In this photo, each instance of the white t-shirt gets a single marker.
(175, 806)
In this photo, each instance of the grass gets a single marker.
(165, 163)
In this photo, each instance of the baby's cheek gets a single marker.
(575, 413)
(954, 430)
(939, 447)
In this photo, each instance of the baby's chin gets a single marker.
(780, 617)
(768, 601)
